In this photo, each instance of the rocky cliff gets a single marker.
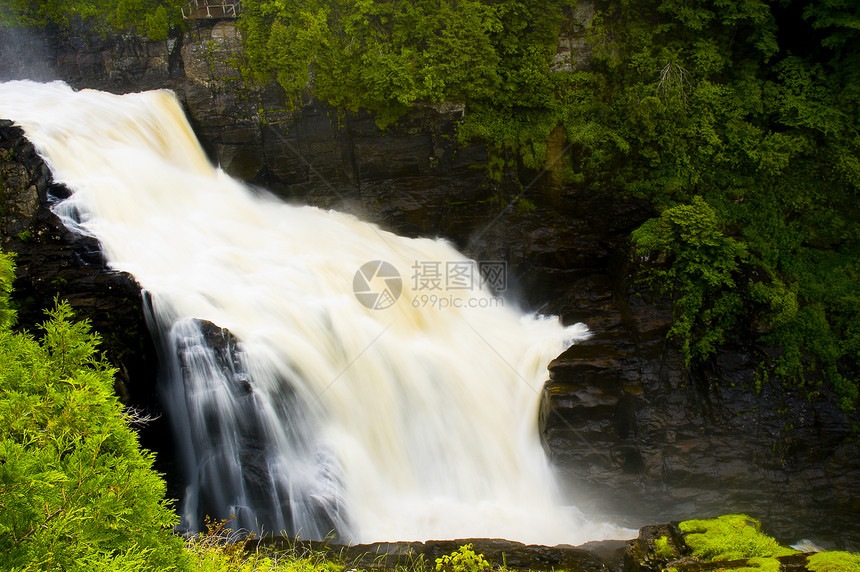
(636, 435)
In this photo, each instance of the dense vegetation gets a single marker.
(152, 18)
(386, 55)
(76, 490)
(740, 121)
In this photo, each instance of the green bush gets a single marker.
(688, 256)
(76, 490)
(464, 559)
(212, 552)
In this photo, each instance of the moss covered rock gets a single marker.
(729, 543)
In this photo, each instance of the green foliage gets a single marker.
(705, 99)
(730, 537)
(463, 559)
(835, 561)
(157, 24)
(76, 490)
(220, 548)
(525, 205)
(385, 56)
(689, 257)
(152, 18)
(7, 277)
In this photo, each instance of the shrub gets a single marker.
(463, 559)
(76, 490)
(688, 256)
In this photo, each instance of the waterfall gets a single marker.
(322, 375)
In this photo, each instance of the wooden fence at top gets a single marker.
(202, 9)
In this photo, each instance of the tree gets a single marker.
(76, 490)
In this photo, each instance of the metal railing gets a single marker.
(199, 9)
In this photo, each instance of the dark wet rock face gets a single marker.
(84, 57)
(640, 436)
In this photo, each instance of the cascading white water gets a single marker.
(411, 421)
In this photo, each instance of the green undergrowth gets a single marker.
(464, 559)
(221, 549)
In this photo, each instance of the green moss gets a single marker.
(662, 548)
(757, 565)
(834, 562)
(730, 537)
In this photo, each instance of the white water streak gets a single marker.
(411, 423)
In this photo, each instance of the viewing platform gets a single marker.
(211, 9)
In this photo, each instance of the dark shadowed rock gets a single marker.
(637, 435)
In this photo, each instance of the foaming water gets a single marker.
(297, 407)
